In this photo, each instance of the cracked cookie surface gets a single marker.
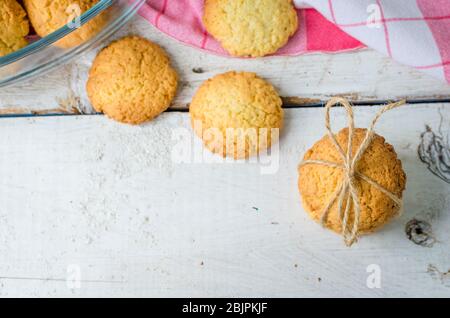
(251, 28)
(14, 27)
(48, 16)
(242, 103)
(131, 80)
(318, 183)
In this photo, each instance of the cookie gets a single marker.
(132, 81)
(49, 16)
(14, 27)
(251, 28)
(318, 183)
(235, 114)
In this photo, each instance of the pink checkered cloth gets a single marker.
(413, 32)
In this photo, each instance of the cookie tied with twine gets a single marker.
(352, 182)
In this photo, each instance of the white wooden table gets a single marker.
(90, 207)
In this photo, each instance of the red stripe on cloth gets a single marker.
(386, 32)
(445, 17)
(433, 65)
(330, 5)
(205, 39)
(322, 35)
(439, 29)
(357, 24)
(161, 12)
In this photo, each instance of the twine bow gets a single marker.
(347, 190)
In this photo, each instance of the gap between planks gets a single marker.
(288, 103)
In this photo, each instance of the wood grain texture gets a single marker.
(360, 76)
(85, 191)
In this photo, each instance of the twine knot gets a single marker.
(350, 173)
(347, 191)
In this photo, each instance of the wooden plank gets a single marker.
(85, 193)
(363, 75)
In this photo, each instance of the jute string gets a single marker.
(347, 191)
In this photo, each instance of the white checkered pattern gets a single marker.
(413, 32)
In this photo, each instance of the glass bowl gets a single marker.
(44, 54)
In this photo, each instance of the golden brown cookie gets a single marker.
(14, 27)
(252, 27)
(242, 103)
(132, 81)
(317, 183)
(48, 16)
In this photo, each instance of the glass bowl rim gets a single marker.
(88, 15)
(128, 9)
